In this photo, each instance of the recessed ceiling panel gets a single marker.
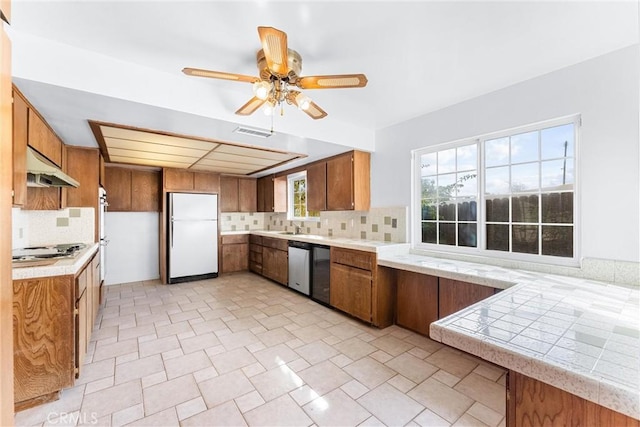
(122, 144)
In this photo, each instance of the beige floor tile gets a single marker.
(275, 336)
(490, 372)
(226, 414)
(253, 369)
(390, 405)
(70, 401)
(168, 417)
(484, 391)
(341, 360)
(153, 379)
(98, 385)
(324, 377)
(316, 352)
(97, 370)
(173, 329)
(276, 382)
(355, 348)
(298, 365)
(242, 324)
(199, 342)
(452, 361)
(444, 401)
(135, 332)
(485, 414)
(191, 408)
(427, 344)
(169, 394)
(354, 389)
(429, 418)
(306, 319)
(158, 346)
(446, 378)
(139, 368)
(249, 401)
(184, 315)
(150, 319)
(107, 351)
(282, 411)
(127, 415)
(187, 364)
(112, 399)
(336, 409)
(372, 422)
(411, 367)
(381, 356)
(310, 333)
(225, 387)
(369, 372)
(232, 360)
(237, 339)
(345, 330)
(402, 383)
(303, 395)
(467, 420)
(275, 309)
(275, 356)
(392, 345)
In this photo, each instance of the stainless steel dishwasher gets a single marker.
(299, 263)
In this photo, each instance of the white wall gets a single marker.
(604, 90)
(134, 242)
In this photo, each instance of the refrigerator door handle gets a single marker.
(171, 233)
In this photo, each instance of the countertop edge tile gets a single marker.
(63, 267)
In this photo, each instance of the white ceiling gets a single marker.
(121, 61)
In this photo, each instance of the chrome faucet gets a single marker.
(297, 229)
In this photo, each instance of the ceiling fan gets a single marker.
(279, 79)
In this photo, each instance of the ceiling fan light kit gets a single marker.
(280, 68)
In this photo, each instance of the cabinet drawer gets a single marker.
(358, 259)
(255, 239)
(235, 238)
(280, 244)
(255, 256)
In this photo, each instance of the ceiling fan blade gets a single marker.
(274, 44)
(338, 81)
(220, 75)
(250, 107)
(313, 111)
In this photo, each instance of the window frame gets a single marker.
(290, 198)
(480, 250)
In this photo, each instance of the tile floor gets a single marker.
(241, 350)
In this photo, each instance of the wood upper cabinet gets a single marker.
(348, 182)
(43, 338)
(206, 182)
(272, 194)
(83, 165)
(238, 194)
(20, 134)
(132, 190)
(186, 180)
(416, 301)
(317, 186)
(455, 295)
(42, 138)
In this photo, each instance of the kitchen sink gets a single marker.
(289, 233)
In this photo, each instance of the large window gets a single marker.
(297, 198)
(512, 192)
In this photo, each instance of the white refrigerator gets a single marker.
(192, 243)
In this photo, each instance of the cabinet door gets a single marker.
(39, 198)
(178, 180)
(43, 336)
(456, 295)
(340, 183)
(275, 265)
(81, 331)
(43, 140)
(317, 187)
(118, 186)
(20, 117)
(265, 194)
(206, 182)
(235, 257)
(247, 195)
(229, 194)
(145, 191)
(83, 164)
(417, 301)
(351, 291)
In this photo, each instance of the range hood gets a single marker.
(41, 172)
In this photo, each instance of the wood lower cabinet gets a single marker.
(255, 254)
(351, 290)
(417, 301)
(534, 403)
(275, 259)
(43, 338)
(455, 295)
(235, 253)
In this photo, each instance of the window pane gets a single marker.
(557, 174)
(446, 186)
(467, 210)
(429, 189)
(496, 152)
(497, 237)
(296, 199)
(497, 210)
(497, 180)
(447, 233)
(428, 164)
(557, 208)
(557, 240)
(429, 209)
(467, 157)
(467, 184)
(557, 141)
(447, 160)
(303, 211)
(467, 235)
(447, 212)
(524, 147)
(525, 209)
(297, 212)
(525, 177)
(525, 239)
(429, 234)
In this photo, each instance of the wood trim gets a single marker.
(6, 283)
(36, 112)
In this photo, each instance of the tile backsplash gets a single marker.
(382, 224)
(33, 228)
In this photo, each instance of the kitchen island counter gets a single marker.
(61, 267)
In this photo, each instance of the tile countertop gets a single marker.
(578, 335)
(62, 267)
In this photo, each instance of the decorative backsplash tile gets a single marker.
(34, 228)
(241, 221)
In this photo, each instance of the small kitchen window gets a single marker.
(512, 192)
(297, 199)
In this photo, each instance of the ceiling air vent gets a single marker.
(253, 132)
